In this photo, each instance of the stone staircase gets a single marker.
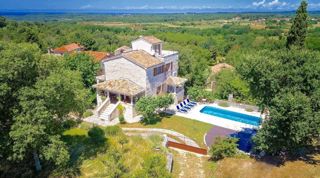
(105, 115)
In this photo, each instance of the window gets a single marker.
(168, 67)
(158, 70)
(157, 48)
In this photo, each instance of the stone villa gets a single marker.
(144, 69)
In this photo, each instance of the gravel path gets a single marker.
(190, 166)
(182, 137)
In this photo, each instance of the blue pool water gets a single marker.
(245, 139)
(231, 115)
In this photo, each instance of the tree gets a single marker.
(18, 69)
(165, 101)
(298, 31)
(230, 82)
(85, 39)
(3, 22)
(84, 64)
(44, 108)
(291, 126)
(223, 147)
(147, 106)
(197, 93)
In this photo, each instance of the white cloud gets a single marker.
(270, 4)
(172, 7)
(259, 3)
(314, 5)
(277, 3)
(88, 6)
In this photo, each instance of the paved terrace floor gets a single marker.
(215, 132)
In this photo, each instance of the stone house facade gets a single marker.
(145, 69)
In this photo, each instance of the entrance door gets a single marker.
(113, 98)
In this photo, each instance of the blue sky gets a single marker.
(258, 5)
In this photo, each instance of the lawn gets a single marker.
(190, 128)
(247, 167)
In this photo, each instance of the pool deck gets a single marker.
(215, 132)
(195, 114)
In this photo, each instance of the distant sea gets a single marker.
(137, 11)
(56, 15)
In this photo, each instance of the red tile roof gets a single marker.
(68, 48)
(97, 55)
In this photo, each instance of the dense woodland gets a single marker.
(273, 69)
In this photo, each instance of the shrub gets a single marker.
(87, 113)
(229, 81)
(153, 166)
(122, 120)
(120, 109)
(112, 130)
(96, 135)
(223, 147)
(198, 93)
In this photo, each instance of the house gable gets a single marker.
(122, 68)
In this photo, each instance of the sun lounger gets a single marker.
(184, 106)
(188, 104)
(192, 102)
(181, 109)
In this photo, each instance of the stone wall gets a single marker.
(124, 69)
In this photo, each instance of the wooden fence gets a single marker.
(187, 148)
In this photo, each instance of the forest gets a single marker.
(273, 69)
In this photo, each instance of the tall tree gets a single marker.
(298, 31)
(291, 125)
(18, 69)
(44, 108)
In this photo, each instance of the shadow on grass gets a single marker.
(308, 155)
(82, 147)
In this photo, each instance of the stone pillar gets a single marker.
(99, 100)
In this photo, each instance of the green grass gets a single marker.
(87, 158)
(190, 128)
(75, 131)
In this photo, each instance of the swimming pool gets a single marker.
(231, 115)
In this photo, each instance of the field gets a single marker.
(190, 128)
(244, 167)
